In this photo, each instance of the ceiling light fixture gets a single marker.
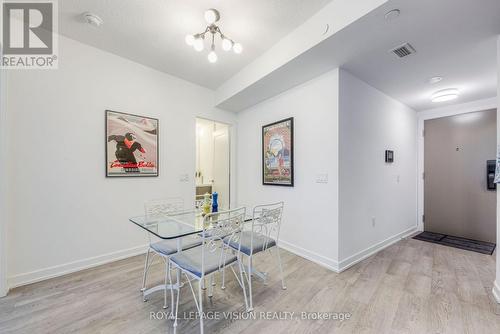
(197, 41)
(445, 95)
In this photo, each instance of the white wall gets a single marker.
(66, 214)
(310, 221)
(496, 288)
(371, 122)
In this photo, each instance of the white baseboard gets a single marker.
(360, 256)
(310, 255)
(71, 267)
(496, 291)
(337, 266)
(331, 264)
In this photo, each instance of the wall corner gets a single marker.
(496, 284)
(496, 291)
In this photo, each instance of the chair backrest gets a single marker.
(219, 230)
(266, 220)
(159, 208)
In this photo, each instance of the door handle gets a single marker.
(490, 174)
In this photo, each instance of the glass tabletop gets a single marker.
(173, 226)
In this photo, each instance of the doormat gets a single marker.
(457, 242)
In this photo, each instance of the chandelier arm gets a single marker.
(202, 34)
(222, 36)
(220, 32)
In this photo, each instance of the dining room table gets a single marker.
(174, 226)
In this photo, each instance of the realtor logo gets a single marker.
(29, 36)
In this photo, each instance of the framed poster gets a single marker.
(131, 145)
(277, 153)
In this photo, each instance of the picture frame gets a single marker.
(278, 154)
(131, 145)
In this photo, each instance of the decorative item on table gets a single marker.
(206, 204)
(215, 202)
(277, 153)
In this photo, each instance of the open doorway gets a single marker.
(459, 195)
(213, 160)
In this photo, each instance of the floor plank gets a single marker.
(410, 287)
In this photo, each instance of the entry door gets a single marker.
(221, 165)
(456, 199)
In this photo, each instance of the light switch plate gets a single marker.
(322, 178)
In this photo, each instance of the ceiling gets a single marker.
(152, 32)
(455, 39)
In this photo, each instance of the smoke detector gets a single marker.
(92, 19)
(392, 15)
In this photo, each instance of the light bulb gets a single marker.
(212, 16)
(189, 40)
(227, 44)
(198, 44)
(212, 57)
(237, 48)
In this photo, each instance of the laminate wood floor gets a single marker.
(410, 287)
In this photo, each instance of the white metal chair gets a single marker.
(154, 210)
(264, 235)
(212, 257)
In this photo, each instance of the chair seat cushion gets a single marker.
(169, 247)
(259, 242)
(190, 260)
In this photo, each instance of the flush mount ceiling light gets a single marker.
(197, 41)
(445, 95)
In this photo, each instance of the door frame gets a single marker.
(422, 116)
(232, 155)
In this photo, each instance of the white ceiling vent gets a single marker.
(404, 50)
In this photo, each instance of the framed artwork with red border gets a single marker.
(131, 145)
